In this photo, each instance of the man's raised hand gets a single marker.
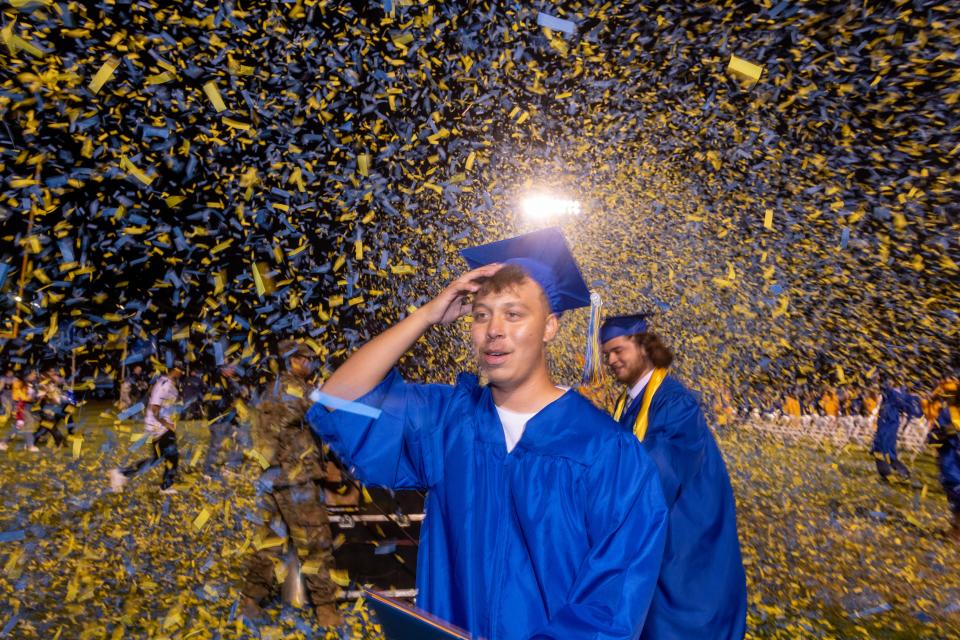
(452, 303)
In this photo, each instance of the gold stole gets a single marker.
(640, 425)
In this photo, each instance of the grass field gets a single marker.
(830, 552)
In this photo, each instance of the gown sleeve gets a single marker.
(676, 442)
(627, 528)
(912, 407)
(401, 448)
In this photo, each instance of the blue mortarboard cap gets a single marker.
(623, 326)
(546, 258)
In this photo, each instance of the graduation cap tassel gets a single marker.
(593, 362)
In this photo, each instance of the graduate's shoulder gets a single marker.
(582, 431)
(673, 391)
(676, 412)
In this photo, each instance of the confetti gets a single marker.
(745, 69)
(557, 24)
(103, 75)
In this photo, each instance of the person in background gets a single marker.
(871, 401)
(895, 404)
(23, 395)
(226, 399)
(944, 417)
(830, 403)
(51, 400)
(791, 405)
(6, 394)
(139, 384)
(161, 428)
(290, 494)
(9, 381)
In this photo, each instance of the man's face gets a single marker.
(137, 370)
(509, 331)
(627, 359)
(175, 374)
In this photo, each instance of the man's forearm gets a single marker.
(370, 363)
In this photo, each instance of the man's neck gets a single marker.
(530, 396)
(633, 383)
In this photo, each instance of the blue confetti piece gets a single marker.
(132, 358)
(11, 623)
(385, 549)
(138, 443)
(557, 24)
(155, 132)
(218, 353)
(880, 608)
(66, 249)
(130, 411)
(356, 408)
(13, 536)
(844, 237)
(4, 270)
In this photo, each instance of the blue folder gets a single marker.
(401, 621)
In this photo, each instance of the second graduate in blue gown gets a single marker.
(701, 592)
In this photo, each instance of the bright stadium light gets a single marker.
(539, 207)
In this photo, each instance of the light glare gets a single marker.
(541, 206)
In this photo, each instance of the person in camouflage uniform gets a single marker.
(291, 492)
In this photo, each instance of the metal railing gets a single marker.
(837, 431)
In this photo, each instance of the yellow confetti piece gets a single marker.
(201, 519)
(77, 445)
(768, 219)
(103, 75)
(341, 577)
(213, 93)
(745, 69)
(236, 124)
(135, 171)
(161, 78)
(258, 280)
(363, 164)
(311, 567)
(296, 392)
(15, 42)
(259, 457)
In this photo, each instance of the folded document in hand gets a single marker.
(404, 622)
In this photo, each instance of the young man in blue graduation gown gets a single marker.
(702, 591)
(544, 518)
(894, 403)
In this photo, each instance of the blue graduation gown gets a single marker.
(894, 403)
(561, 538)
(945, 438)
(702, 590)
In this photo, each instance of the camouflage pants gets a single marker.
(298, 509)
